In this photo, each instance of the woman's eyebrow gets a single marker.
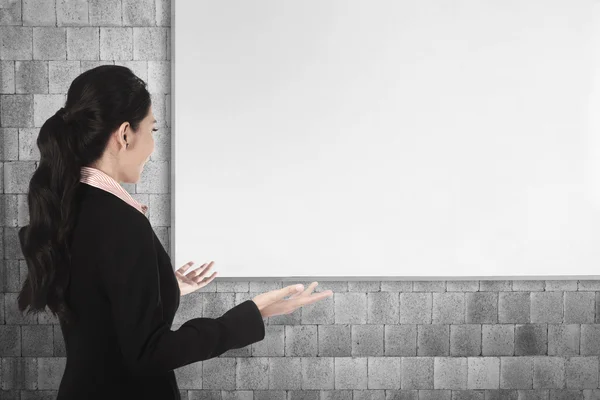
(153, 121)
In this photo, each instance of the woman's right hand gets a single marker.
(273, 303)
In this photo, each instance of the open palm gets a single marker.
(193, 280)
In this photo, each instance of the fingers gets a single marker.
(304, 300)
(201, 271)
(185, 267)
(290, 291)
(198, 279)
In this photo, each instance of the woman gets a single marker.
(96, 263)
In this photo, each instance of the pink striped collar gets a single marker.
(97, 178)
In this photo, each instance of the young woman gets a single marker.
(94, 260)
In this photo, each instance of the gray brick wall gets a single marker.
(388, 340)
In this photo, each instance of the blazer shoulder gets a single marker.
(112, 215)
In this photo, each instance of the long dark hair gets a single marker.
(98, 102)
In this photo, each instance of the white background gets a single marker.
(418, 138)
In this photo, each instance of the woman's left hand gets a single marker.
(193, 280)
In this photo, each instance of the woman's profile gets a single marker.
(96, 263)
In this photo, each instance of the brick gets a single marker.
(62, 74)
(367, 340)
(563, 340)
(273, 343)
(497, 340)
(561, 285)
(415, 308)
(87, 65)
(10, 341)
(513, 308)
(11, 13)
(139, 13)
(495, 286)
(163, 12)
(168, 110)
(105, 12)
(71, 12)
(19, 373)
(482, 307)
(50, 372)
(400, 340)
(31, 76)
(252, 373)
(13, 315)
(116, 43)
(12, 281)
(448, 308)
(160, 204)
(23, 216)
(516, 372)
(155, 178)
(590, 339)
(364, 286)
(7, 77)
(528, 285)
(382, 307)
(417, 373)
(83, 43)
(49, 43)
(483, 373)
(547, 307)
(287, 373)
(59, 342)
(450, 372)
(531, 339)
(159, 77)
(37, 340)
(580, 307)
(46, 105)
(334, 340)
(433, 340)
(581, 372)
(429, 286)
(17, 175)
(39, 12)
(383, 372)
(9, 144)
(139, 68)
(149, 43)
(465, 340)
(162, 233)
(28, 150)
(15, 43)
(218, 373)
(169, 44)
(301, 341)
(548, 372)
(16, 110)
(189, 376)
(350, 308)
(159, 109)
(12, 245)
(10, 212)
(162, 147)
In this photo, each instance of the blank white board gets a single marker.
(416, 138)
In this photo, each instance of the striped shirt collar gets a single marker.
(95, 177)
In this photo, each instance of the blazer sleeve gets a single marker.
(131, 279)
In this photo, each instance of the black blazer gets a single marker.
(125, 293)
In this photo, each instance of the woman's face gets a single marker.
(141, 146)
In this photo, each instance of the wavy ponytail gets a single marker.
(98, 102)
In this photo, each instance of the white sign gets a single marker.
(419, 139)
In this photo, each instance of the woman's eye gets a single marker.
(154, 130)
